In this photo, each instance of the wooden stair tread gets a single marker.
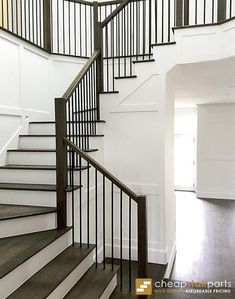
(81, 121)
(46, 280)
(28, 150)
(33, 187)
(125, 77)
(143, 61)
(14, 251)
(8, 212)
(36, 167)
(41, 135)
(97, 278)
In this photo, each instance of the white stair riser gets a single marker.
(40, 198)
(31, 198)
(49, 129)
(26, 225)
(49, 142)
(31, 158)
(37, 158)
(110, 288)
(18, 276)
(72, 279)
(39, 176)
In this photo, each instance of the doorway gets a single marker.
(185, 149)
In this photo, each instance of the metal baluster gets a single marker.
(88, 205)
(112, 227)
(80, 199)
(96, 219)
(37, 22)
(204, 17)
(107, 55)
(75, 28)
(150, 27)
(121, 261)
(85, 24)
(72, 186)
(231, 8)
(63, 26)
(156, 20)
(144, 26)
(130, 236)
(80, 27)
(163, 21)
(33, 21)
(124, 29)
(112, 51)
(104, 223)
(58, 31)
(169, 20)
(69, 25)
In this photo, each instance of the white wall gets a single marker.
(138, 147)
(30, 79)
(216, 151)
(205, 43)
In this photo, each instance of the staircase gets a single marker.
(33, 252)
(60, 210)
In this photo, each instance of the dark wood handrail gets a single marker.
(102, 170)
(81, 75)
(111, 2)
(90, 3)
(115, 13)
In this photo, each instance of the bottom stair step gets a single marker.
(96, 283)
(54, 275)
(16, 250)
(24, 255)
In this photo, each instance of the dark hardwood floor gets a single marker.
(156, 272)
(205, 239)
(205, 247)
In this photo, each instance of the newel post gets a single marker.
(61, 162)
(98, 45)
(47, 25)
(142, 237)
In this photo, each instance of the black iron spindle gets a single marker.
(72, 189)
(112, 227)
(121, 261)
(80, 200)
(163, 20)
(96, 218)
(130, 236)
(88, 205)
(104, 223)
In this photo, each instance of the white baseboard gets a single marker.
(155, 255)
(170, 262)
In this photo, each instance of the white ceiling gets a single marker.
(207, 82)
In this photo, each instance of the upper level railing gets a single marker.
(67, 26)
